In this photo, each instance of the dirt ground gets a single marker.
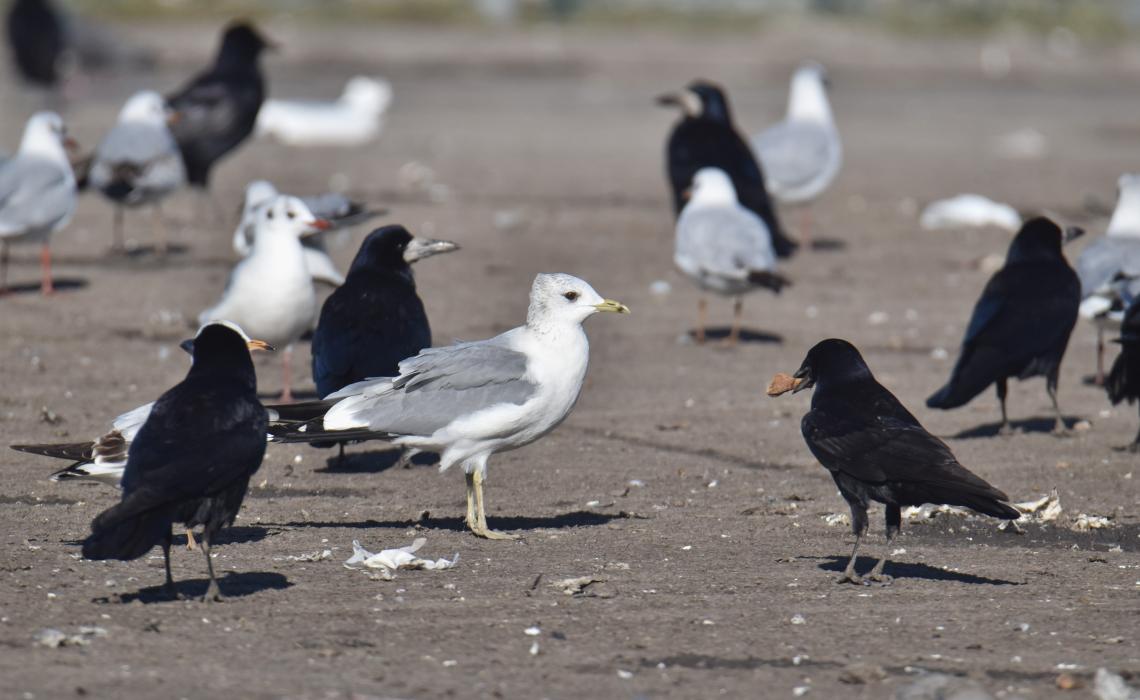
(680, 487)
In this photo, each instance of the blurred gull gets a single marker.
(1109, 267)
(339, 211)
(138, 162)
(470, 400)
(270, 293)
(969, 210)
(355, 118)
(723, 247)
(37, 192)
(802, 155)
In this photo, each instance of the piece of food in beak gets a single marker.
(782, 384)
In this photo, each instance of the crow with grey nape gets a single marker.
(1021, 325)
(877, 451)
(706, 137)
(1123, 381)
(192, 460)
(217, 110)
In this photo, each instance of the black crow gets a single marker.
(1123, 381)
(706, 138)
(1021, 325)
(217, 110)
(192, 460)
(375, 319)
(36, 37)
(877, 451)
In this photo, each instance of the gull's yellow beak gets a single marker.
(614, 306)
(259, 345)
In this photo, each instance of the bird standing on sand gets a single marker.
(138, 162)
(271, 293)
(706, 137)
(877, 451)
(470, 400)
(723, 247)
(802, 155)
(1109, 267)
(1021, 325)
(1123, 381)
(37, 192)
(217, 110)
(192, 460)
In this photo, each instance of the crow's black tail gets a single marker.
(123, 533)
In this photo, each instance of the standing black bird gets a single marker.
(1021, 325)
(36, 37)
(217, 110)
(192, 460)
(707, 138)
(1123, 382)
(375, 319)
(877, 451)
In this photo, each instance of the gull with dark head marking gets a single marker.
(724, 247)
(37, 192)
(470, 400)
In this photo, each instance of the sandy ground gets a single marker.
(676, 483)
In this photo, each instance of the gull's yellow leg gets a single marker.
(471, 520)
(191, 543)
(481, 528)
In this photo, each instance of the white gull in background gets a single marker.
(724, 247)
(1109, 267)
(37, 192)
(470, 400)
(967, 211)
(352, 120)
(138, 163)
(339, 211)
(270, 293)
(802, 155)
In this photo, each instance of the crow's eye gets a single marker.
(290, 214)
(571, 296)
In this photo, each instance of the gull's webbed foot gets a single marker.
(481, 530)
(851, 577)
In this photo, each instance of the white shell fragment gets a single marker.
(390, 560)
(969, 210)
(1044, 510)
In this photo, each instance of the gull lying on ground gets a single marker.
(470, 400)
(355, 118)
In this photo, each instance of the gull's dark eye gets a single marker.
(290, 214)
(571, 296)
(269, 213)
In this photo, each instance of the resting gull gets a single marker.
(470, 400)
(353, 119)
(724, 247)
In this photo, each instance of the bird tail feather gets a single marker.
(75, 451)
(1118, 380)
(769, 280)
(975, 371)
(123, 532)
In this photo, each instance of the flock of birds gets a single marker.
(187, 458)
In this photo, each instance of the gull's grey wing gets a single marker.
(793, 153)
(340, 210)
(35, 193)
(435, 388)
(1106, 258)
(728, 242)
(145, 156)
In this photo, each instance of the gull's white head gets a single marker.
(285, 216)
(367, 94)
(45, 135)
(257, 193)
(712, 186)
(807, 99)
(557, 299)
(146, 107)
(1126, 217)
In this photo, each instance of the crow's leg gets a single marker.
(894, 522)
(1003, 389)
(1059, 428)
(167, 542)
(1099, 381)
(859, 527)
(213, 593)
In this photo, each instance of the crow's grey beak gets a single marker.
(420, 248)
(1071, 233)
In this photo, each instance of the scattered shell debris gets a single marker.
(386, 562)
(1111, 686)
(575, 586)
(1043, 510)
(928, 511)
(834, 519)
(53, 638)
(315, 555)
(1086, 522)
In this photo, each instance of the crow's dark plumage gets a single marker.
(1123, 381)
(1021, 325)
(37, 40)
(706, 137)
(217, 110)
(375, 319)
(192, 460)
(877, 451)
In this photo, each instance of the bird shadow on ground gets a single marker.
(827, 244)
(59, 284)
(747, 335)
(232, 585)
(1037, 424)
(148, 251)
(901, 570)
(578, 518)
(373, 462)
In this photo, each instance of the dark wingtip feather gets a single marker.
(125, 538)
(769, 280)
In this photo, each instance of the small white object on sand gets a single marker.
(969, 210)
(390, 560)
